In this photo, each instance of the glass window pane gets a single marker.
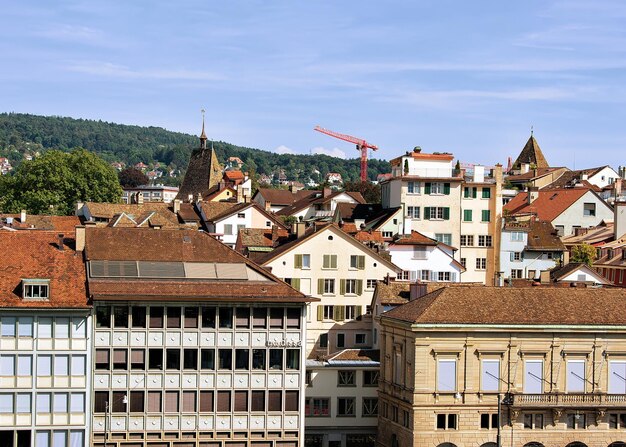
(43, 403)
(7, 365)
(8, 326)
(25, 327)
(60, 402)
(62, 328)
(77, 403)
(44, 365)
(490, 379)
(77, 438)
(78, 365)
(61, 365)
(79, 327)
(575, 375)
(44, 327)
(42, 439)
(23, 403)
(617, 377)
(6, 403)
(24, 365)
(446, 375)
(533, 377)
(59, 438)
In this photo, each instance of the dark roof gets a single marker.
(543, 237)
(284, 197)
(514, 306)
(531, 153)
(188, 246)
(534, 174)
(203, 172)
(310, 201)
(348, 212)
(36, 255)
(392, 292)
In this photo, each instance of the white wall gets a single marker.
(574, 215)
(436, 261)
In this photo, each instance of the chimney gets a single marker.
(80, 237)
(327, 192)
(479, 174)
(300, 229)
(619, 219)
(139, 198)
(274, 235)
(268, 206)
(199, 198)
(584, 176)
(61, 247)
(22, 216)
(545, 277)
(524, 168)
(533, 194)
(177, 206)
(618, 187)
(417, 290)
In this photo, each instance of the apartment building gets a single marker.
(45, 347)
(554, 357)
(194, 345)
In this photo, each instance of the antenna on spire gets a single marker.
(203, 137)
(531, 130)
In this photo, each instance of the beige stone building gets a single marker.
(556, 357)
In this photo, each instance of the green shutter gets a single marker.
(466, 191)
(320, 312)
(486, 215)
(512, 255)
(297, 261)
(326, 261)
(446, 213)
(338, 313)
(320, 286)
(427, 213)
(295, 283)
(342, 286)
(359, 311)
(333, 261)
(467, 215)
(474, 192)
(427, 188)
(486, 193)
(360, 261)
(359, 287)
(446, 189)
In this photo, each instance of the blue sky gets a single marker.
(469, 78)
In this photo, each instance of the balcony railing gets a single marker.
(577, 400)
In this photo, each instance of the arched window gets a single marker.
(446, 444)
(617, 444)
(533, 444)
(489, 444)
(576, 444)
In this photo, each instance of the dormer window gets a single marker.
(35, 289)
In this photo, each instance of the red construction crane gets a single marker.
(361, 145)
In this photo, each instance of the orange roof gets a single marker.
(415, 238)
(234, 175)
(367, 236)
(549, 203)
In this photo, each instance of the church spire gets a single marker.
(203, 137)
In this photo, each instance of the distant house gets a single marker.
(234, 162)
(274, 200)
(141, 166)
(576, 273)
(334, 178)
(149, 193)
(5, 165)
(320, 206)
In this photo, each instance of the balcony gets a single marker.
(566, 400)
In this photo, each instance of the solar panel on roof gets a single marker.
(200, 270)
(99, 269)
(231, 271)
(161, 269)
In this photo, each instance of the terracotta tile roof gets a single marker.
(534, 174)
(132, 244)
(514, 306)
(597, 235)
(531, 153)
(548, 205)
(310, 201)
(213, 209)
(108, 210)
(35, 255)
(187, 212)
(369, 236)
(358, 355)
(259, 237)
(283, 196)
(233, 175)
(62, 224)
(543, 237)
(415, 238)
(392, 292)
(230, 208)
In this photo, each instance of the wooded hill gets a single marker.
(22, 134)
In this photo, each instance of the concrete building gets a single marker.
(45, 343)
(554, 356)
(193, 344)
(149, 193)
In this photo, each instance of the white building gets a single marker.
(149, 193)
(45, 348)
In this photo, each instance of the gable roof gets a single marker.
(310, 201)
(222, 210)
(415, 238)
(543, 237)
(558, 273)
(549, 203)
(514, 306)
(135, 212)
(601, 233)
(35, 255)
(62, 224)
(531, 153)
(284, 197)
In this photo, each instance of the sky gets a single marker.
(470, 78)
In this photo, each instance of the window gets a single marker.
(517, 273)
(156, 317)
(486, 193)
(293, 318)
(190, 359)
(206, 401)
(481, 263)
(120, 359)
(317, 407)
(436, 213)
(257, 401)
(350, 286)
(44, 327)
(387, 234)
(447, 421)
(274, 401)
(589, 209)
(240, 401)
(341, 340)
(136, 401)
(259, 317)
(329, 262)
(191, 317)
(617, 420)
(445, 238)
(302, 261)
(617, 377)
(437, 188)
(488, 421)
(242, 358)
(404, 275)
(171, 402)
(36, 289)
(276, 317)
(470, 192)
(173, 317)
(138, 315)
(370, 406)
(189, 401)
(155, 358)
(329, 286)
(443, 276)
(241, 215)
(22, 403)
(346, 406)
(323, 340)
(420, 253)
(560, 230)
(293, 359)
(576, 421)
(102, 359)
(225, 359)
(413, 187)
(357, 262)
(242, 317)
(172, 359)
(464, 262)
(207, 359)
(226, 317)
(276, 359)
(137, 359)
(25, 365)
(61, 327)
(62, 365)
(413, 212)
(370, 284)
(360, 339)
(7, 365)
(446, 375)
(154, 401)
(60, 403)
(533, 376)
(467, 215)
(228, 229)
(467, 240)
(346, 378)
(516, 256)
(517, 236)
(533, 421)
(490, 375)
(485, 216)
(485, 240)
(370, 378)
(208, 317)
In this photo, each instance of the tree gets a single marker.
(584, 253)
(54, 182)
(132, 177)
(369, 191)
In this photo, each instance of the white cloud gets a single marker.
(334, 152)
(282, 149)
(108, 69)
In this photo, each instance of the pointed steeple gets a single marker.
(203, 137)
(531, 154)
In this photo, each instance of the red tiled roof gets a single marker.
(415, 238)
(62, 224)
(234, 175)
(35, 255)
(369, 236)
(284, 196)
(548, 205)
